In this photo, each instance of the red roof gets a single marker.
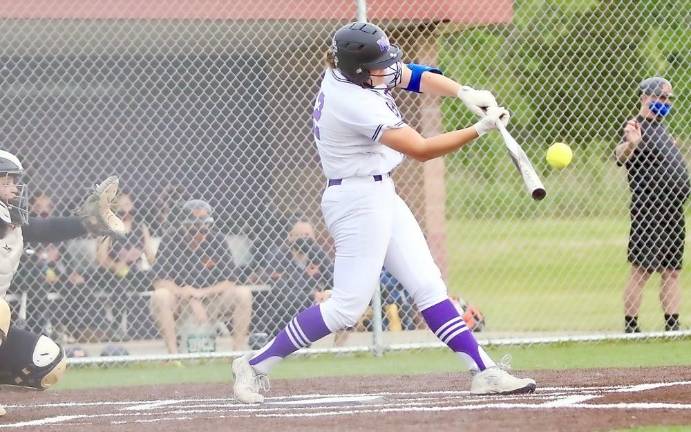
(461, 11)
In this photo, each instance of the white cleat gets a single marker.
(248, 382)
(2, 411)
(496, 380)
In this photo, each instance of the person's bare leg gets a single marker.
(163, 306)
(670, 297)
(633, 294)
(201, 317)
(236, 300)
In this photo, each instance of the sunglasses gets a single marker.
(122, 213)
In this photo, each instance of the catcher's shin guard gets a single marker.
(30, 360)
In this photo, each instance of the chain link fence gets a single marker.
(212, 101)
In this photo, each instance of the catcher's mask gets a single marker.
(16, 204)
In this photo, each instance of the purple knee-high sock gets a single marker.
(307, 327)
(448, 325)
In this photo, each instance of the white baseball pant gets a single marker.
(374, 228)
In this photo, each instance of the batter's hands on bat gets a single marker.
(477, 101)
(491, 120)
(632, 132)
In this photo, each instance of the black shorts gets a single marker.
(657, 235)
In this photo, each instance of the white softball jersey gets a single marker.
(11, 249)
(371, 225)
(348, 123)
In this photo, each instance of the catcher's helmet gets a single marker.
(18, 208)
(360, 47)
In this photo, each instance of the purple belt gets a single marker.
(337, 182)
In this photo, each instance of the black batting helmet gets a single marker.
(360, 47)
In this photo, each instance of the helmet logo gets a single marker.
(334, 52)
(383, 43)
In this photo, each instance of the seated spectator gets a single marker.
(124, 264)
(136, 252)
(168, 197)
(194, 273)
(300, 271)
(47, 271)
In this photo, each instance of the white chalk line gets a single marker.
(429, 402)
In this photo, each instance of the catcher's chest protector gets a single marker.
(11, 248)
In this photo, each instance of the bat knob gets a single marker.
(538, 194)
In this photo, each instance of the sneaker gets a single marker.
(495, 380)
(630, 329)
(631, 324)
(248, 382)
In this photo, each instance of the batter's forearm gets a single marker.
(439, 85)
(446, 143)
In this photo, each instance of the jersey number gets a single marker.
(317, 114)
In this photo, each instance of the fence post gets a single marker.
(361, 10)
(377, 324)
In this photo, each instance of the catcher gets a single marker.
(30, 360)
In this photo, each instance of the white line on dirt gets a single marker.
(44, 421)
(152, 405)
(306, 405)
(650, 386)
(568, 401)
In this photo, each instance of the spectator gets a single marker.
(194, 271)
(300, 271)
(124, 264)
(136, 252)
(169, 195)
(47, 271)
(659, 183)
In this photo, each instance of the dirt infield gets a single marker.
(574, 400)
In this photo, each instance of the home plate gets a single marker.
(338, 400)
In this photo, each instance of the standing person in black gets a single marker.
(659, 183)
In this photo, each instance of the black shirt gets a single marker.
(656, 169)
(207, 265)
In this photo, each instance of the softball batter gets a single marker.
(361, 138)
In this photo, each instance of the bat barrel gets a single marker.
(538, 194)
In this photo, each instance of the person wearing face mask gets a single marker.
(659, 182)
(123, 271)
(361, 137)
(194, 273)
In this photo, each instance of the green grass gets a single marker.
(548, 274)
(561, 356)
(656, 429)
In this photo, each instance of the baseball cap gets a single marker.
(654, 86)
(197, 211)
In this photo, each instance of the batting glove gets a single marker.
(477, 101)
(492, 118)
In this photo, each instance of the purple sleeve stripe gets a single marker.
(376, 132)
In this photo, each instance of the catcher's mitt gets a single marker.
(96, 212)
